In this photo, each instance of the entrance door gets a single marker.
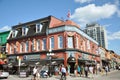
(72, 67)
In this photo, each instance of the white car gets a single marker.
(4, 74)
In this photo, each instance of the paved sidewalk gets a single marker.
(70, 77)
(78, 78)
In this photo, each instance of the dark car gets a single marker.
(43, 73)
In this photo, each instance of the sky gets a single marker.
(104, 12)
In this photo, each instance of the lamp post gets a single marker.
(50, 54)
(19, 63)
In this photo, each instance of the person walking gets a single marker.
(63, 71)
(91, 71)
(34, 72)
(38, 74)
(75, 70)
(86, 71)
(79, 70)
(106, 70)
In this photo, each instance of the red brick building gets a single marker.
(31, 42)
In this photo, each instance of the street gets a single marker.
(113, 75)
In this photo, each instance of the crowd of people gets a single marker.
(84, 71)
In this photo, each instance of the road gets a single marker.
(111, 76)
(114, 75)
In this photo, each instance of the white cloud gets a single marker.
(5, 28)
(83, 1)
(93, 13)
(113, 36)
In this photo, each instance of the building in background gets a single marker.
(98, 33)
(32, 42)
(3, 41)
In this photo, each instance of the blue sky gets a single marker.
(104, 12)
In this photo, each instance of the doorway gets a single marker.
(72, 64)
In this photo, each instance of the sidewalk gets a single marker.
(77, 78)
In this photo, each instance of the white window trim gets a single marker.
(40, 28)
(59, 42)
(26, 30)
(38, 45)
(43, 43)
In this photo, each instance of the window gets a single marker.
(15, 49)
(39, 28)
(60, 41)
(33, 44)
(14, 33)
(52, 43)
(44, 44)
(10, 49)
(88, 44)
(24, 31)
(38, 45)
(77, 45)
(70, 42)
(27, 46)
(22, 47)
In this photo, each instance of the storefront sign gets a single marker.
(31, 57)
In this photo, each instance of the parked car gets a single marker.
(43, 73)
(4, 74)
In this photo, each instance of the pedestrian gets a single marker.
(75, 70)
(38, 74)
(106, 70)
(79, 70)
(86, 71)
(91, 71)
(63, 71)
(68, 69)
(34, 72)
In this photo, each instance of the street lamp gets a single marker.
(50, 54)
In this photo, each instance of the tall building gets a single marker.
(98, 33)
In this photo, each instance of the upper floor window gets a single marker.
(14, 33)
(24, 31)
(70, 42)
(52, 43)
(38, 45)
(88, 44)
(39, 28)
(26, 46)
(22, 47)
(77, 45)
(60, 41)
(33, 44)
(44, 44)
(10, 49)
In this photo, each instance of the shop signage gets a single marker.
(31, 57)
